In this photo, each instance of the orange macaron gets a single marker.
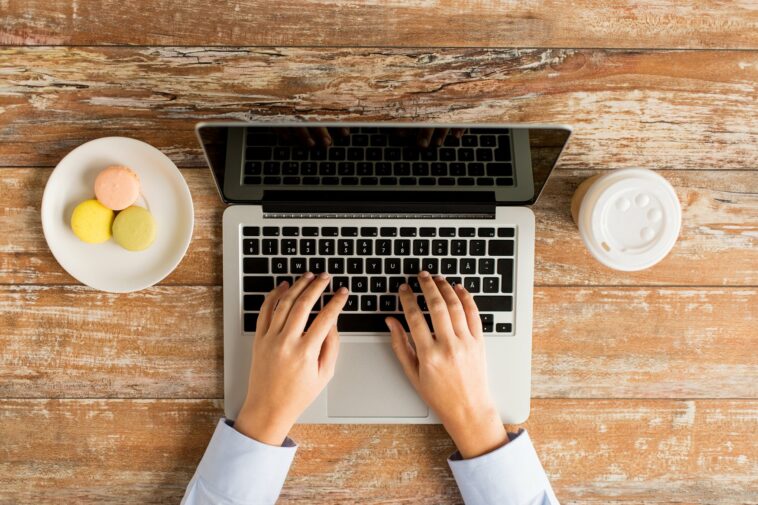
(117, 187)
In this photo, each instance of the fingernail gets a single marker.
(283, 283)
(324, 275)
(439, 278)
(424, 143)
(404, 287)
(424, 274)
(308, 275)
(342, 290)
(459, 287)
(387, 321)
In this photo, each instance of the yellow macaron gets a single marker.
(91, 222)
(134, 228)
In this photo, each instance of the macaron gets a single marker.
(91, 222)
(134, 228)
(117, 187)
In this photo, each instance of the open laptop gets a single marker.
(371, 205)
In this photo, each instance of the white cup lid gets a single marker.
(630, 219)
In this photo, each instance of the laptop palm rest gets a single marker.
(369, 382)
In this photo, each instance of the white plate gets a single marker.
(107, 266)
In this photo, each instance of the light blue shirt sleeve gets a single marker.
(237, 470)
(510, 475)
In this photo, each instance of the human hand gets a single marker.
(290, 368)
(448, 369)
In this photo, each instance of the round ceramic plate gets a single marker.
(107, 266)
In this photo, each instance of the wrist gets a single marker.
(478, 434)
(262, 425)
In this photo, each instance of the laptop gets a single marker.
(373, 204)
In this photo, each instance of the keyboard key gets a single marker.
(420, 247)
(465, 181)
(458, 247)
(285, 278)
(316, 265)
(401, 168)
(427, 232)
(486, 266)
(421, 301)
(360, 140)
(289, 246)
(439, 169)
(490, 303)
(505, 270)
(439, 247)
(407, 181)
(360, 284)
(392, 266)
(365, 168)
(297, 265)
(329, 231)
(383, 168)
(349, 231)
(308, 246)
(486, 232)
(414, 284)
(407, 232)
(487, 318)
(490, 284)
(373, 266)
(326, 247)
(369, 231)
(388, 232)
(504, 181)
(351, 306)
(506, 232)
(355, 154)
(466, 232)
(270, 246)
(369, 303)
(345, 247)
(250, 246)
(454, 281)
(378, 284)
(484, 154)
(257, 284)
(447, 154)
(383, 247)
(395, 283)
(251, 231)
(487, 141)
(499, 169)
(402, 247)
(337, 153)
(502, 154)
(279, 265)
(411, 266)
(310, 231)
(388, 303)
(364, 247)
(270, 231)
(420, 168)
(272, 180)
(253, 302)
(255, 266)
(469, 141)
(431, 265)
(249, 322)
(486, 327)
(501, 248)
(503, 327)
(465, 155)
(340, 282)
(258, 153)
(472, 284)
(449, 266)
(446, 181)
(468, 266)
(355, 265)
(336, 266)
(476, 247)
(447, 232)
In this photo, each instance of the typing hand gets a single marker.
(448, 369)
(290, 368)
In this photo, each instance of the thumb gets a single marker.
(403, 350)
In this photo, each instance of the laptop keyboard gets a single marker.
(380, 157)
(373, 261)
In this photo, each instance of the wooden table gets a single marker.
(645, 385)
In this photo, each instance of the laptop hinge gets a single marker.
(383, 209)
(366, 215)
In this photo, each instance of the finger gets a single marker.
(470, 309)
(345, 131)
(420, 332)
(282, 311)
(322, 134)
(454, 307)
(303, 305)
(405, 353)
(329, 350)
(443, 327)
(439, 135)
(424, 136)
(304, 135)
(458, 132)
(325, 319)
(267, 308)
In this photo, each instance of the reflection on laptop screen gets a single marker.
(507, 166)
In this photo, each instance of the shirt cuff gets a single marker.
(509, 475)
(242, 469)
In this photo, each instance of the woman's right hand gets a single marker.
(448, 367)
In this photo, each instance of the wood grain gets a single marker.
(167, 342)
(655, 109)
(546, 23)
(594, 451)
(720, 229)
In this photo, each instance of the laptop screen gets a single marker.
(381, 162)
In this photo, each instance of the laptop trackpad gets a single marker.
(369, 382)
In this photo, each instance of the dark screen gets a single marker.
(381, 162)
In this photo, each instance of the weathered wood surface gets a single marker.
(585, 23)
(594, 451)
(655, 109)
(167, 342)
(719, 229)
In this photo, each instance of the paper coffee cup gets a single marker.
(628, 219)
